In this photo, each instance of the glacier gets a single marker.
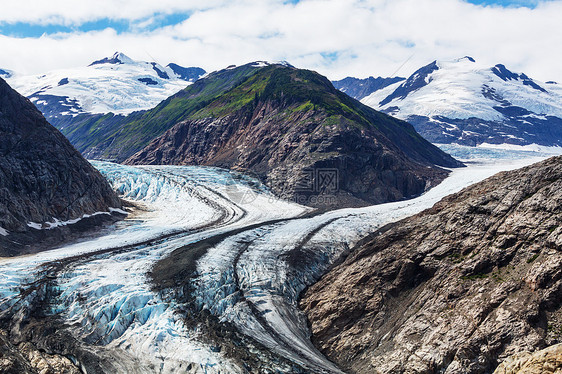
(109, 296)
(267, 252)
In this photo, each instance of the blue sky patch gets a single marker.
(507, 3)
(330, 56)
(23, 29)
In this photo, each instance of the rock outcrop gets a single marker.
(306, 140)
(457, 288)
(24, 358)
(546, 361)
(43, 180)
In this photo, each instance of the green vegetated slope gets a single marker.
(280, 120)
(301, 91)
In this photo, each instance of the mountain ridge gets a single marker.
(282, 119)
(115, 137)
(360, 88)
(112, 84)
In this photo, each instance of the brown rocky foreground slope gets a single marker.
(455, 289)
(42, 178)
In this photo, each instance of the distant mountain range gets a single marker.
(267, 118)
(360, 88)
(115, 84)
(464, 102)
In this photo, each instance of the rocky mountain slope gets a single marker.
(308, 141)
(455, 289)
(45, 184)
(24, 358)
(467, 103)
(360, 88)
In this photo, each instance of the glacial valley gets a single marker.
(204, 276)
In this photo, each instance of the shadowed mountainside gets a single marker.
(43, 179)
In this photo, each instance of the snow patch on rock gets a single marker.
(58, 223)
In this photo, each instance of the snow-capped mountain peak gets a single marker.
(117, 58)
(262, 64)
(420, 78)
(470, 103)
(506, 75)
(283, 63)
(466, 59)
(116, 84)
(257, 64)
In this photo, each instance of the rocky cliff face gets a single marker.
(308, 141)
(43, 179)
(454, 289)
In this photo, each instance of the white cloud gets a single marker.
(71, 12)
(370, 37)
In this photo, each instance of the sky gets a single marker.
(337, 38)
